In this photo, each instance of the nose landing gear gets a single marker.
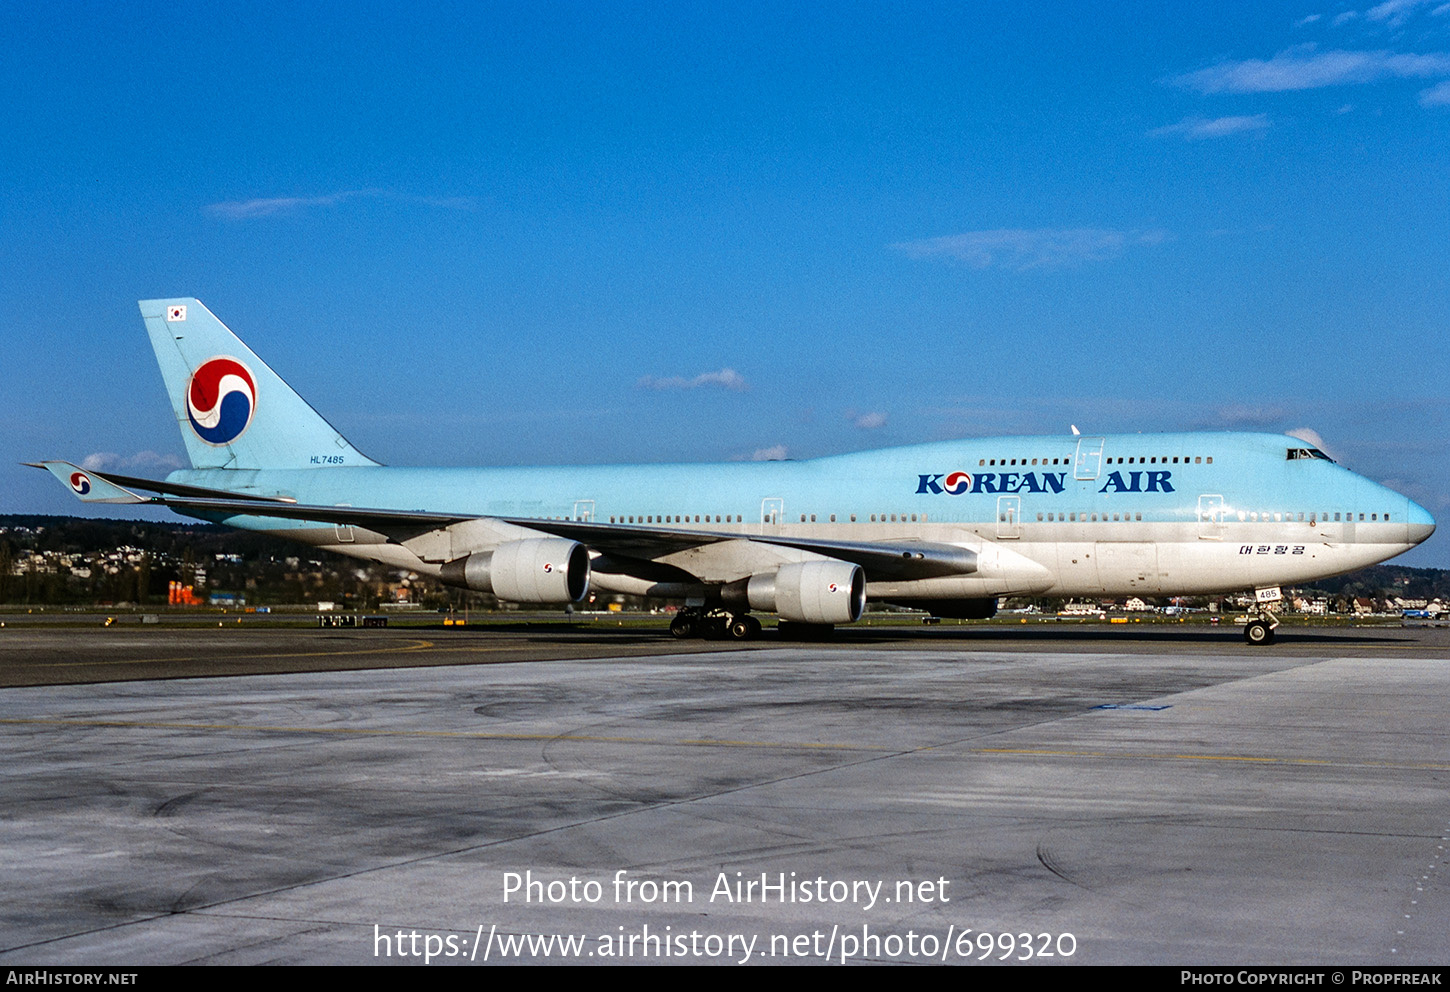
(1260, 628)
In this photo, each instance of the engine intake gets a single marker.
(542, 570)
(811, 592)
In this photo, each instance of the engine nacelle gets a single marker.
(542, 570)
(811, 592)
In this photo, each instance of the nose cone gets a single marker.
(1421, 524)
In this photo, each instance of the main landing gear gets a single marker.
(715, 625)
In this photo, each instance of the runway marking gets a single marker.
(713, 742)
(412, 646)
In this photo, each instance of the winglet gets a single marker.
(89, 487)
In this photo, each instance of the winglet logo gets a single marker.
(173, 314)
(220, 400)
(80, 482)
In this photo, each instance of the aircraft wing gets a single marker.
(622, 542)
(895, 560)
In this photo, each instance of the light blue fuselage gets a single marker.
(1232, 510)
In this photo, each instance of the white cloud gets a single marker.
(151, 461)
(1303, 21)
(1436, 96)
(272, 206)
(868, 421)
(1020, 250)
(1304, 68)
(725, 378)
(775, 453)
(1199, 128)
(1394, 12)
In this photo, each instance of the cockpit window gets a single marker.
(1296, 453)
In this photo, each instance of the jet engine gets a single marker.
(541, 570)
(811, 592)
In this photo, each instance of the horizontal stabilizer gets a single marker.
(88, 486)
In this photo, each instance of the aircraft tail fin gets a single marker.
(233, 410)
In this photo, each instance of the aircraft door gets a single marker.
(772, 513)
(345, 533)
(1089, 461)
(1210, 518)
(1009, 517)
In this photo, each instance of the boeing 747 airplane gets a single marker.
(948, 527)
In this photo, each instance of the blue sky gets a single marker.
(578, 232)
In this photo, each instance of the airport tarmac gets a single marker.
(1154, 797)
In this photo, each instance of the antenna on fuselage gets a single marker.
(1075, 431)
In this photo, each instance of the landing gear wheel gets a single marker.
(744, 628)
(1258, 632)
(683, 626)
